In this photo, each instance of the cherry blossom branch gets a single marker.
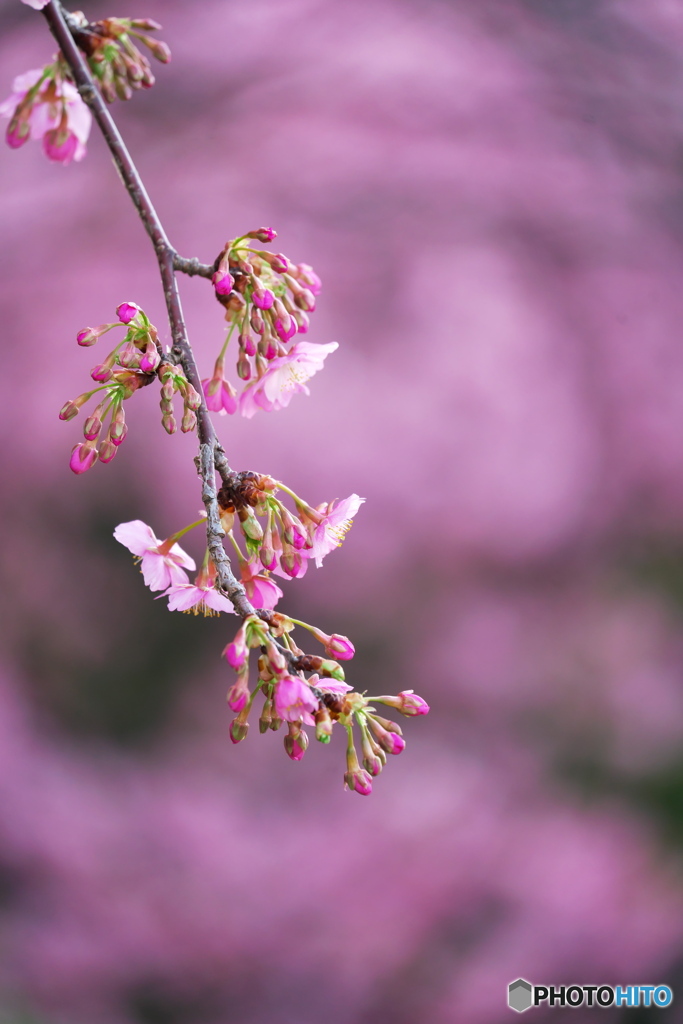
(211, 454)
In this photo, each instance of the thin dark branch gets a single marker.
(211, 454)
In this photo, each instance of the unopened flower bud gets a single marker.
(247, 343)
(263, 234)
(238, 695)
(70, 408)
(336, 646)
(107, 450)
(277, 260)
(323, 725)
(243, 368)
(392, 742)
(146, 24)
(89, 335)
(305, 300)
(127, 311)
(83, 457)
(276, 660)
(296, 742)
(222, 282)
(169, 424)
(359, 781)
(250, 524)
(237, 652)
(238, 730)
(407, 702)
(150, 359)
(332, 670)
(257, 323)
(192, 398)
(189, 421)
(266, 716)
(92, 427)
(263, 298)
(160, 50)
(129, 355)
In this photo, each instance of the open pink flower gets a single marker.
(200, 600)
(336, 523)
(162, 565)
(262, 591)
(57, 115)
(294, 700)
(284, 377)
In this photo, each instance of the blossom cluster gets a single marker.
(321, 700)
(133, 363)
(267, 299)
(116, 61)
(285, 541)
(45, 105)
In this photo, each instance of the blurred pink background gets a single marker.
(492, 193)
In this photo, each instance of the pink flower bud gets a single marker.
(244, 368)
(238, 730)
(69, 410)
(18, 132)
(92, 427)
(160, 50)
(236, 652)
(150, 359)
(263, 234)
(257, 324)
(89, 335)
(305, 300)
(302, 320)
(307, 274)
(189, 421)
(277, 260)
(83, 457)
(169, 424)
(340, 647)
(127, 311)
(222, 282)
(263, 298)
(411, 704)
(103, 371)
(247, 343)
(372, 764)
(238, 695)
(359, 781)
(129, 355)
(296, 742)
(107, 451)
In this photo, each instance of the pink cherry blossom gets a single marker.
(162, 566)
(336, 523)
(284, 377)
(57, 115)
(200, 600)
(294, 700)
(220, 395)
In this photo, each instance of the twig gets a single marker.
(211, 453)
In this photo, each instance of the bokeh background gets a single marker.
(492, 192)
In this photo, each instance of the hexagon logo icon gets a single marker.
(520, 995)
